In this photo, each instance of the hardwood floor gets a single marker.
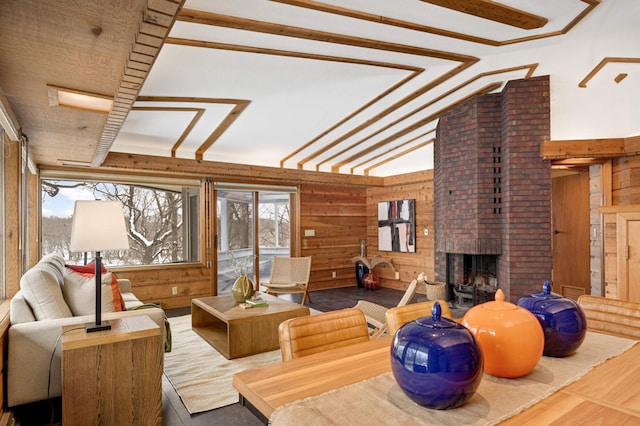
(173, 411)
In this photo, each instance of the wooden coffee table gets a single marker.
(237, 332)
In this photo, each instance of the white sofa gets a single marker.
(37, 316)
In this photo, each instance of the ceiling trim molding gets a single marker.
(390, 109)
(426, 120)
(530, 68)
(604, 62)
(389, 151)
(382, 154)
(337, 10)
(289, 53)
(215, 19)
(395, 157)
(385, 20)
(196, 117)
(239, 106)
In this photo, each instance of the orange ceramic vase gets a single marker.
(510, 337)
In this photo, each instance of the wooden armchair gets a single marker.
(304, 336)
(400, 315)
(289, 275)
(375, 314)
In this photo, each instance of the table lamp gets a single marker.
(98, 226)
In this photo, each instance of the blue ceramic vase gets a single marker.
(563, 321)
(436, 361)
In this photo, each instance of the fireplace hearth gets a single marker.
(472, 278)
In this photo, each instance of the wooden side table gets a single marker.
(113, 376)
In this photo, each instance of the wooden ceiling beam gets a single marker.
(494, 12)
(590, 148)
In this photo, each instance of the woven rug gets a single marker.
(199, 374)
(381, 401)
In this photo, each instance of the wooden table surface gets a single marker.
(236, 332)
(606, 395)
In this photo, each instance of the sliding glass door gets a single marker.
(252, 226)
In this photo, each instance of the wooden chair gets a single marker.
(400, 315)
(308, 335)
(289, 275)
(375, 314)
(611, 316)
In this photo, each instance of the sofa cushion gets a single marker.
(90, 270)
(42, 291)
(80, 292)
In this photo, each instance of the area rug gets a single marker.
(377, 400)
(201, 376)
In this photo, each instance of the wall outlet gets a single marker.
(333, 274)
(309, 232)
(397, 275)
(174, 290)
(426, 231)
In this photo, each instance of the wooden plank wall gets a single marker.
(626, 181)
(337, 216)
(417, 186)
(625, 194)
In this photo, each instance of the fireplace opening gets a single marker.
(472, 278)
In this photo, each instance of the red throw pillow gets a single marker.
(90, 271)
(87, 269)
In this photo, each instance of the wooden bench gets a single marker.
(611, 316)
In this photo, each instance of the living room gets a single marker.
(332, 212)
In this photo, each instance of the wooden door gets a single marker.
(570, 227)
(628, 236)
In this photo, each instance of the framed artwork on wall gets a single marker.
(396, 226)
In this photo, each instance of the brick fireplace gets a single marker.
(493, 192)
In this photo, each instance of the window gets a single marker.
(163, 219)
(253, 225)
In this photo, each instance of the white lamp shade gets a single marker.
(98, 226)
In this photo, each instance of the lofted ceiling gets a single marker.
(352, 86)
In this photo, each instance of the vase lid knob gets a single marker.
(436, 311)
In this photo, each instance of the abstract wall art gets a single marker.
(396, 226)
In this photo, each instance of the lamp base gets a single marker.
(90, 327)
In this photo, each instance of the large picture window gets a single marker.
(163, 219)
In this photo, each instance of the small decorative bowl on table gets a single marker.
(436, 361)
(509, 336)
(563, 321)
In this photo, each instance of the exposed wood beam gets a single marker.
(149, 165)
(590, 148)
(388, 20)
(224, 21)
(494, 12)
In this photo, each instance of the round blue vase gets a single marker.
(436, 361)
(563, 321)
